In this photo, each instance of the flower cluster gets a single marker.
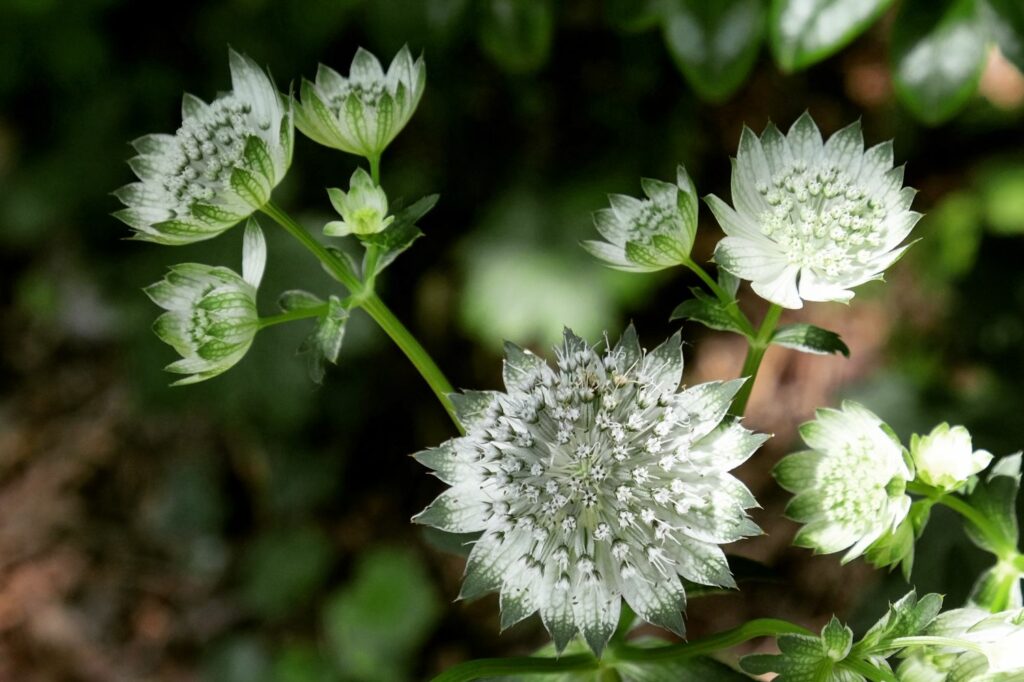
(812, 219)
(217, 169)
(594, 481)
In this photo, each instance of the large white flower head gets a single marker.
(363, 113)
(993, 648)
(211, 317)
(218, 168)
(594, 481)
(945, 457)
(812, 219)
(851, 485)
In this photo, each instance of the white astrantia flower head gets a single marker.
(643, 235)
(363, 113)
(592, 482)
(993, 648)
(363, 209)
(851, 485)
(211, 317)
(218, 168)
(945, 457)
(811, 219)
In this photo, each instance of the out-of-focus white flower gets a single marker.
(363, 209)
(812, 220)
(218, 168)
(211, 317)
(945, 458)
(643, 235)
(363, 113)
(992, 651)
(594, 482)
(850, 486)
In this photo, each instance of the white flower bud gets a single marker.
(945, 458)
(363, 209)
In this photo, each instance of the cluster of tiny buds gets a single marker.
(853, 499)
(367, 92)
(653, 218)
(822, 218)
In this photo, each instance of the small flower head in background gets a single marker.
(993, 648)
(812, 220)
(643, 235)
(850, 486)
(945, 458)
(211, 317)
(218, 168)
(363, 113)
(363, 209)
(592, 482)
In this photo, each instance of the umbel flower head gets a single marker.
(812, 220)
(363, 209)
(218, 168)
(945, 458)
(643, 235)
(211, 317)
(851, 485)
(363, 113)
(993, 648)
(594, 481)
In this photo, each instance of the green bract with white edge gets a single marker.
(945, 457)
(812, 219)
(992, 648)
(363, 209)
(592, 482)
(643, 235)
(363, 113)
(211, 317)
(218, 168)
(850, 486)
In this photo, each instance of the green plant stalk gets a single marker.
(962, 507)
(299, 314)
(717, 290)
(375, 308)
(869, 671)
(755, 353)
(375, 168)
(760, 627)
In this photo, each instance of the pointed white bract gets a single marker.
(211, 317)
(643, 235)
(945, 457)
(363, 113)
(218, 168)
(993, 648)
(811, 220)
(851, 485)
(363, 209)
(592, 482)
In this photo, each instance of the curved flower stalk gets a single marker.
(363, 113)
(968, 644)
(812, 219)
(218, 168)
(211, 317)
(592, 482)
(851, 485)
(644, 235)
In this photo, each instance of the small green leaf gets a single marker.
(401, 233)
(324, 344)
(712, 313)
(1006, 21)
(728, 281)
(804, 32)
(837, 639)
(714, 44)
(807, 338)
(908, 617)
(996, 499)
(516, 34)
(297, 299)
(939, 48)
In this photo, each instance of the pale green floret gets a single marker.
(812, 219)
(972, 645)
(211, 317)
(945, 458)
(218, 168)
(363, 113)
(851, 486)
(363, 209)
(643, 235)
(594, 482)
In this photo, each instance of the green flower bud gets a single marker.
(945, 459)
(363, 209)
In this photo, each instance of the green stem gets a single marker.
(964, 509)
(755, 354)
(298, 314)
(869, 671)
(494, 667)
(374, 307)
(375, 169)
(717, 290)
(928, 640)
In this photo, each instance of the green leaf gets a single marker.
(908, 617)
(728, 281)
(516, 34)
(996, 499)
(714, 44)
(810, 339)
(401, 233)
(897, 547)
(297, 299)
(712, 313)
(998, 588)
(324, 344)
(1006, 22)
(804, 32)
(938, 53)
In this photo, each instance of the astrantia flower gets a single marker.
(850, 487)
(649, 234)
(945, 458)
(211, 316)
(992, 651)
(363, 209)
(217, 169)
(363, 113)
(594, 481)
(812, 220)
